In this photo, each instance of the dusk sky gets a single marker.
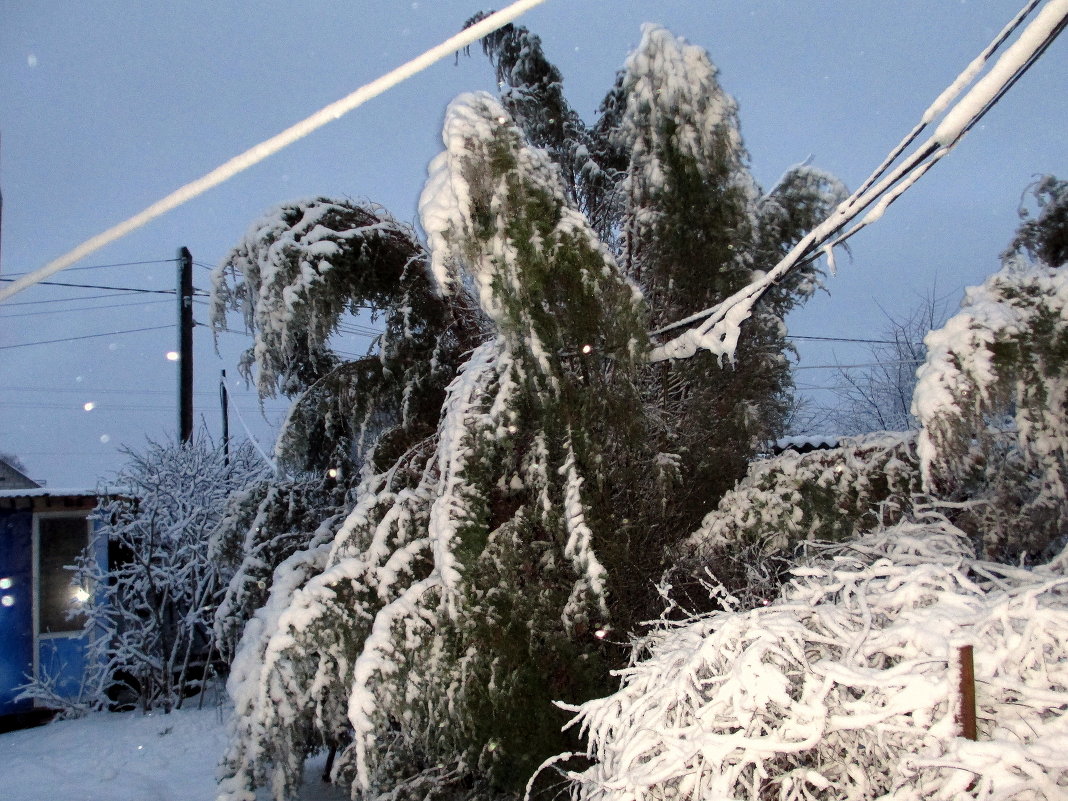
(107, 106)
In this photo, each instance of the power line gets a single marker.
(134, 304)
(848, 339)
(269, 147)
(86, 336)
(101, 407)
(105, 266)
(94, 391)
(63, 300)
(98, 286)
(856, 366)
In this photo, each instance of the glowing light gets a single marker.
(587, 349)
(81, 595)
(5, 583)
(172, 355)
(89, 406)
(8, 600)
(332, 472)
(502, 120)
(600, 634)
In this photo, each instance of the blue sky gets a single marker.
(107, 106)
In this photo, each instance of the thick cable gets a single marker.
(269, 147)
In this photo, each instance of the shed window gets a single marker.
(62, 540)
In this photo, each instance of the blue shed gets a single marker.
(41, 531)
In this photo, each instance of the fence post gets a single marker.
(966, 713)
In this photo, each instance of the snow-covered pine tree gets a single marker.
(292, 278)
(262, 526)
(469, 580)
(663, 177)
(992, 399)
(750, 542)
(1043, 234)
(695, 228)
(993, 409)
(463, 592)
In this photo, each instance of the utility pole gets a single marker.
(225, 400)
(185, 344)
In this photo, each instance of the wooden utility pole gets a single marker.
(185, 345)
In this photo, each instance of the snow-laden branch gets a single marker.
(846, 686)
(719, 326)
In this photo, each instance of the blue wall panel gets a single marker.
(63, 658)
(16, 606)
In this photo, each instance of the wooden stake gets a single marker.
(966, 715)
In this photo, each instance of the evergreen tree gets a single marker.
(663, 177)
(294, 276)
(1043, 234)
(467, 583)
(695, 229)
(499, 533)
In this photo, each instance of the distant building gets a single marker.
(41, 532)
(13, 478)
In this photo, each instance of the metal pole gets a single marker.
(185, 344)
(225, 400)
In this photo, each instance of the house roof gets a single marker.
(13, 478)
(44, 499)
(48, 492)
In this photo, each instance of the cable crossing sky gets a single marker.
(269, 147)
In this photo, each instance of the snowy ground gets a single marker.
(126, 757)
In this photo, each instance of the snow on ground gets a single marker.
(127, 757)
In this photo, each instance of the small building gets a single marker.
(13, 478)
(42, 530)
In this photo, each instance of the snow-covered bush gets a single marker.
(992, 400)
(847, 686)
(749, 542)
(149, 618)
